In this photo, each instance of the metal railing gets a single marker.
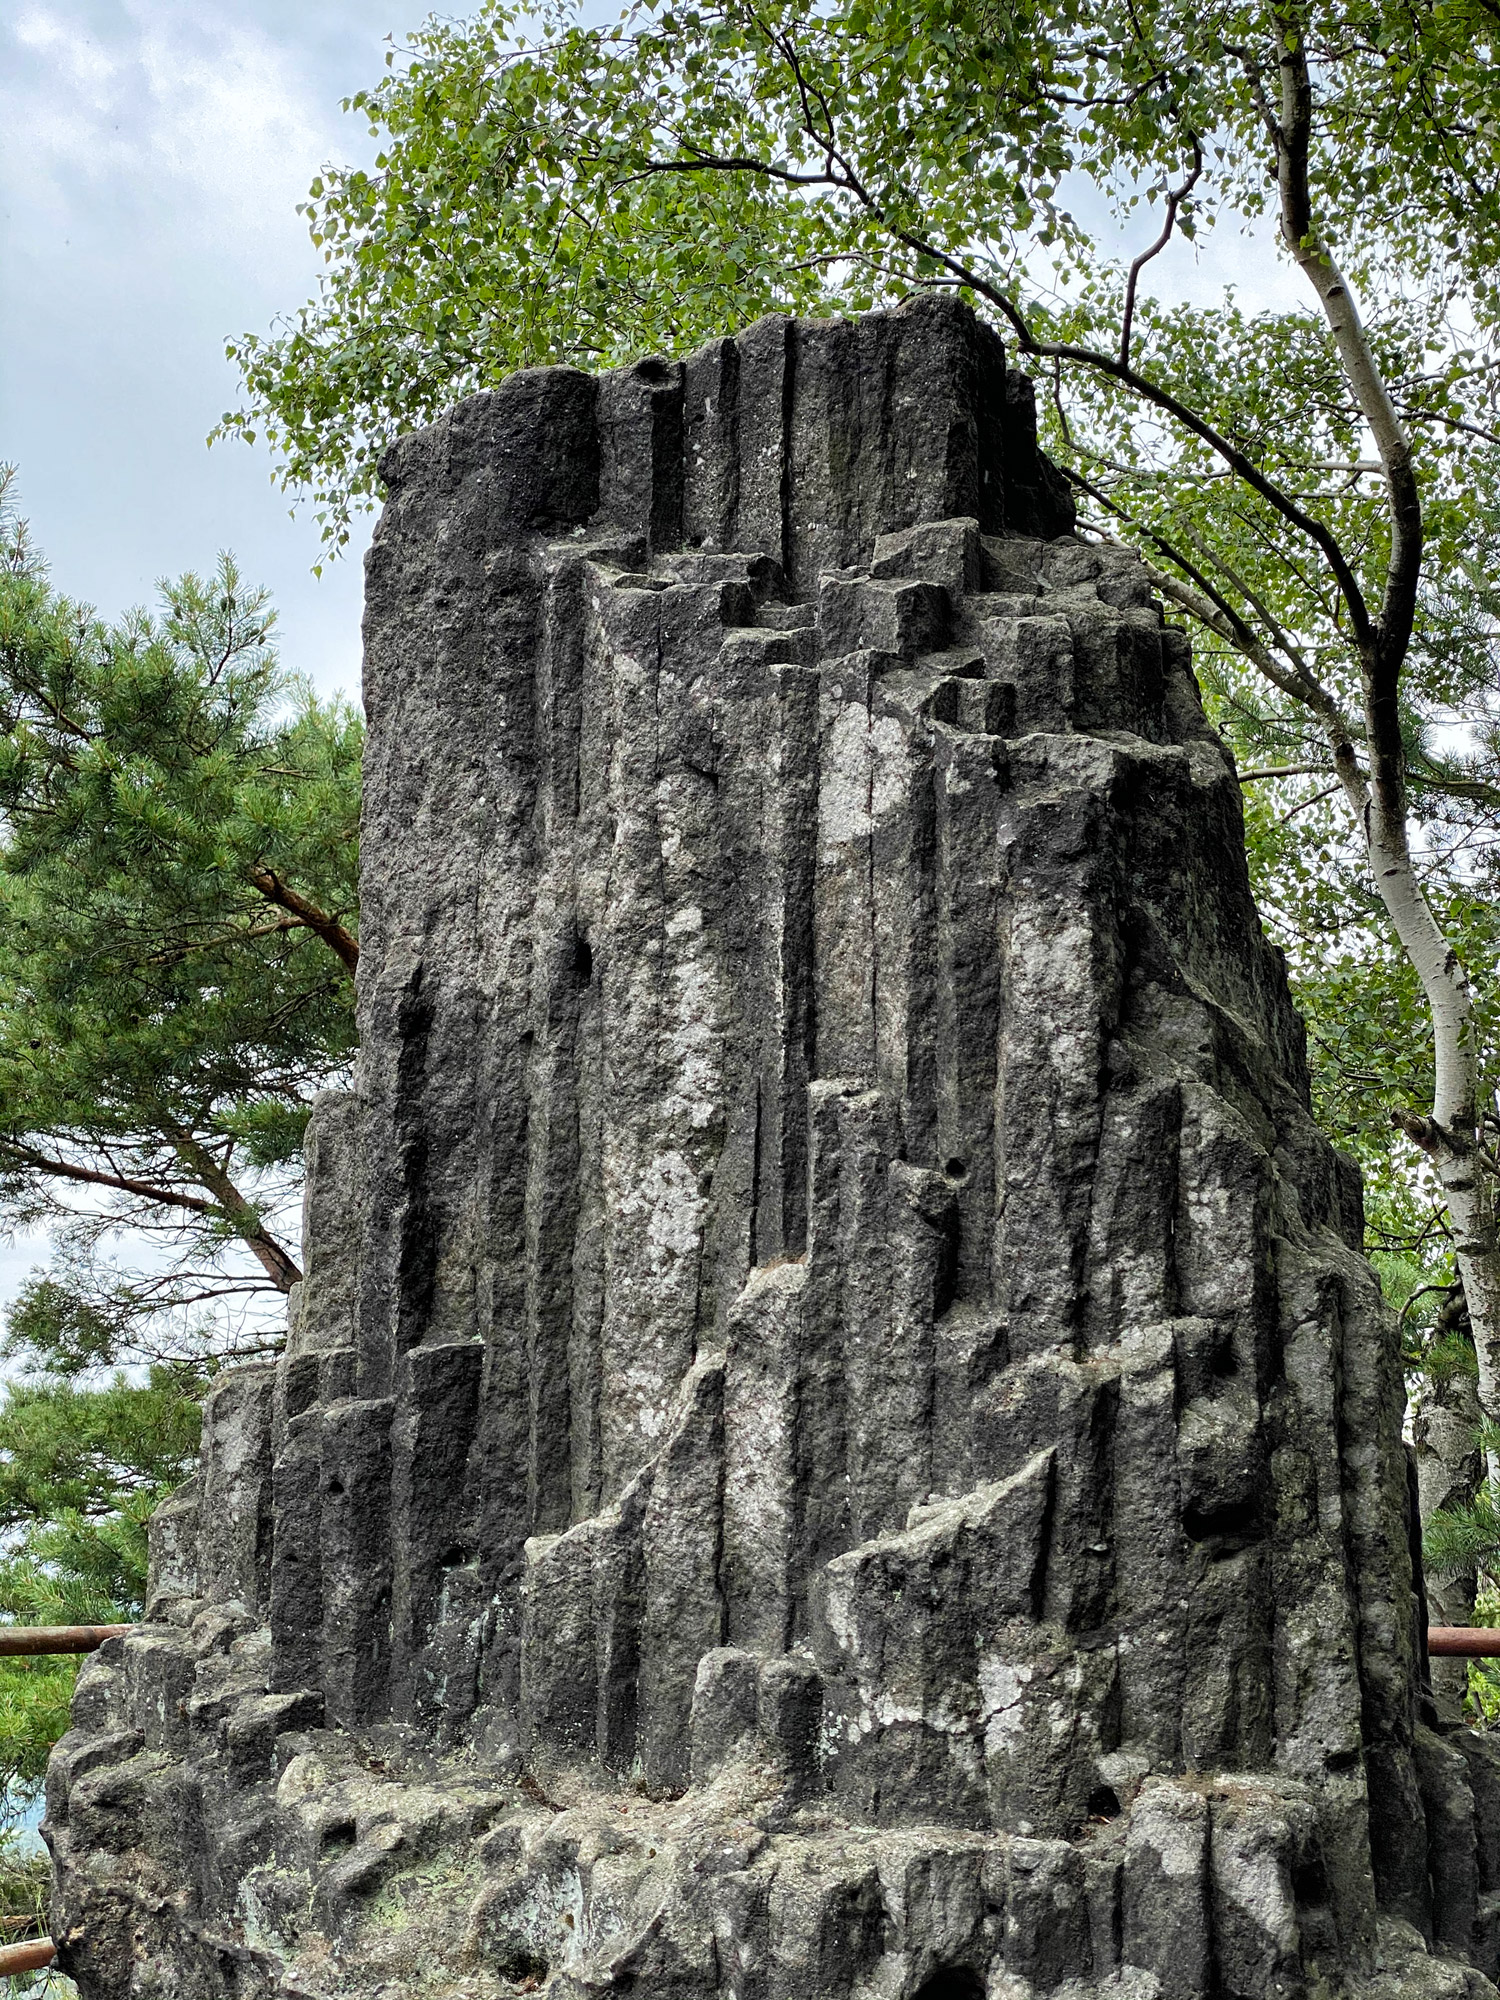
(1474, 1642)
(35, 1955)
(27, 1641)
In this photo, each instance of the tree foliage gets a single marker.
(178, 872)
(593, 192)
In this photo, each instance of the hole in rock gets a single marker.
(1104, 1803)
(1226, 1529)
(951, 1982)
(515, 1960)
(338, 1836)
(1309, 1882)
(956, 1169)
(583, 960)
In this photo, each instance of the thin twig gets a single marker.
(1175, 198)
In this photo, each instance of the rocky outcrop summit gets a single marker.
(837, 1442)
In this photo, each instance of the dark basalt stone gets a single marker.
(837, 1442)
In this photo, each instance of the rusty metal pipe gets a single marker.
(33, 1956)
(22, 1640)
(1474, 1642)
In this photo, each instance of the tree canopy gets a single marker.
(178, 875)
(593, 192)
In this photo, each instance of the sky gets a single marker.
(152, 154)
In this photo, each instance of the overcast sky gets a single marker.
(152, 154)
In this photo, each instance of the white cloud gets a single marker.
(198, 128)
(154, 155)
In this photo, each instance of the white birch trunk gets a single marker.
(1451, 1136)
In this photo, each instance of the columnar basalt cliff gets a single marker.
(837, 1443)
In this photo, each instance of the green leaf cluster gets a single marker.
(547, 189)
(1461, 1540)
(591, 193)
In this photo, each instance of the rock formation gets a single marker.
(837, 1442)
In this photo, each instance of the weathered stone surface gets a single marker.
(836, 1443)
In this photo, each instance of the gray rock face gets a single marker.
(837, 1443)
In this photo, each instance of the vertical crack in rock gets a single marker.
(836, 1443)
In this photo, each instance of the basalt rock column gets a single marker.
(837, 1440)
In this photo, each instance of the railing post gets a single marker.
(35, 1955)
(1474, 1642)
(27, 1641)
